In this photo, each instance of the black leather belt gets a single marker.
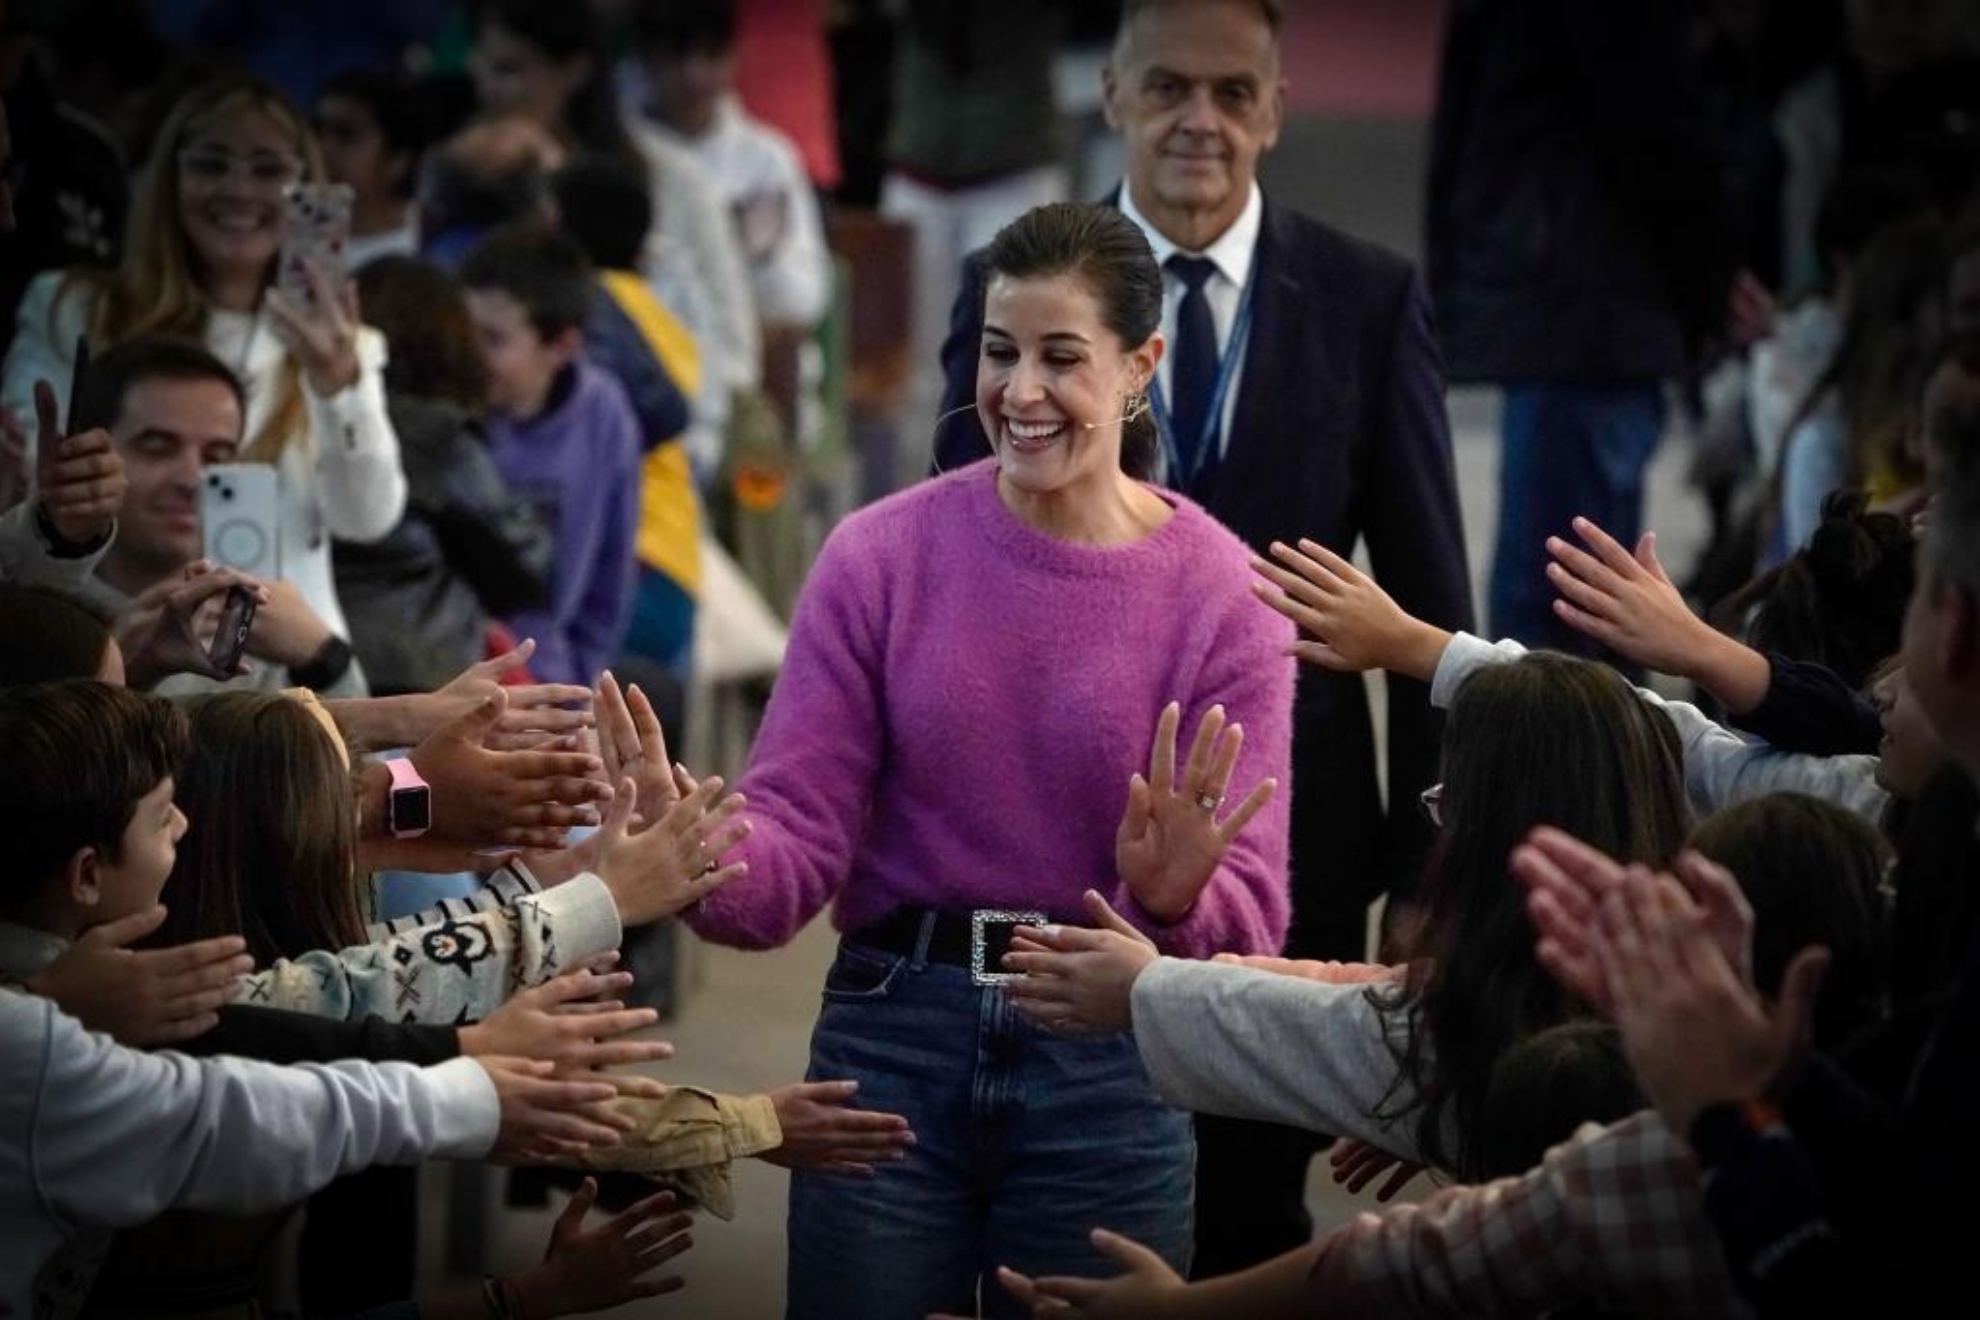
(976, 940)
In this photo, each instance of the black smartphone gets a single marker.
(230, 638)
(76, 385)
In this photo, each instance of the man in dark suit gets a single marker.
(1301, 395)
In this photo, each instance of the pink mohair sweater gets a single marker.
(964, 700)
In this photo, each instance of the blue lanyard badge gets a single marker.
(1213, 416)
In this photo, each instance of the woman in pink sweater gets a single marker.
(974, 716)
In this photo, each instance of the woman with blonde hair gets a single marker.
(200, 257)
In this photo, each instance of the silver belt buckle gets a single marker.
(990, 937)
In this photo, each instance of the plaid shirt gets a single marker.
(1614, 1215)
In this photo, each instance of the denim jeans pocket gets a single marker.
(862, 976)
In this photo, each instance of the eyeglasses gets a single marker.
(264, 170)
(1431, 800)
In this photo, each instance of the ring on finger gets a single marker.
(1209, 801)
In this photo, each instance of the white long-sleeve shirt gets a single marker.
(343, 479)
(94, 1136)
(1721, 768)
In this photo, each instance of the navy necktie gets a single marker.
(1193, 368)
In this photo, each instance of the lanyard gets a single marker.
(1213, 415)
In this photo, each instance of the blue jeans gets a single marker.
(1025, 1143)
(1566, 450)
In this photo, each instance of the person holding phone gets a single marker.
(200, 261)
(170, 411)
(58, 535)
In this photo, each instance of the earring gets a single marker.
(1136, 405)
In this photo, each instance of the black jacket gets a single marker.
(419, 600)
(1579, 229)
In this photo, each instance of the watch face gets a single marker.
(412, 809)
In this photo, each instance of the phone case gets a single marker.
(240, 518)
(316, 222)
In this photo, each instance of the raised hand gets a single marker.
(167, 627)
(674, 862)
(78, 479)
(1627, 602)
(1694, 1028)
(144, 998)
(537, 714)
(322, 335)
(1170, 841)
(484, 797)
(633, 747)
(590, 1270)
(823, 1134)
(1356, 1164)
(567, 1022)
(1079, 982)
(1354, 624)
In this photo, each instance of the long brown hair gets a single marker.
(271, 839)
(1547, 740)
(157, 287)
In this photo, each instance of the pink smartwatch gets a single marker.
(409, 804)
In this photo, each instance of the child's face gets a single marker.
(522, 365)
(132, 883)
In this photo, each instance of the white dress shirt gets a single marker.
(1233, 255)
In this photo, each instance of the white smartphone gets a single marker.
(316, 224)
(240, 517)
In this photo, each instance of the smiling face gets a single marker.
(232, 169)
(1052, 383)
(1910, 752)
(109, 888)
(1196, 92)
(522, 364)
(167, 433)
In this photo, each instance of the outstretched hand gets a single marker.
(585, 1270)
(675, 862)
(1170, 841)
(1354, 624)
(144, 998)
(1627, 602)
(567, 1022)
(823, 1133)
(537, 714)
(1144, 1289)
(483, 797)
(632, 745)
(1077, 981)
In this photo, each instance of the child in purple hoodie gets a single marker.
(564, 437)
